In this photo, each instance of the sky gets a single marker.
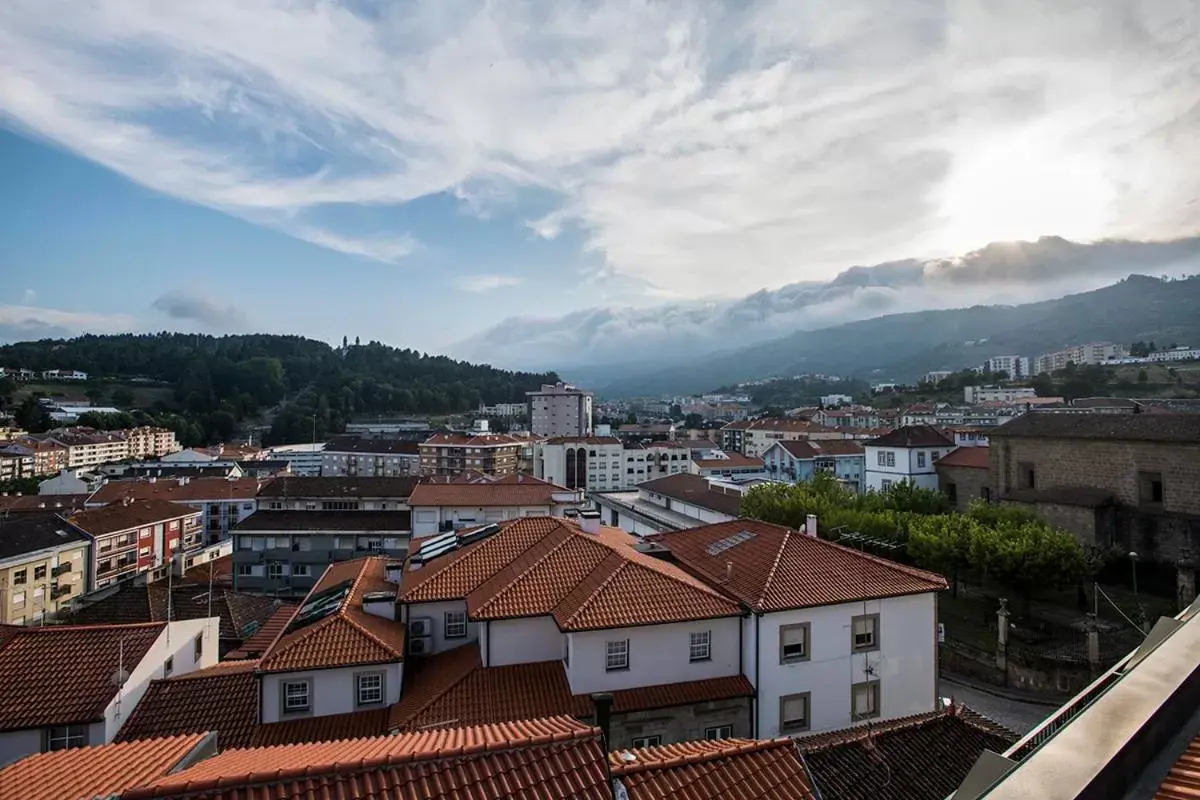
(419, 172)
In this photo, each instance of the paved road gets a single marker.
(1014, 715)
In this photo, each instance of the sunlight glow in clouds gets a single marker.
(699, 148)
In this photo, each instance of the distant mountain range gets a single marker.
(903, 346)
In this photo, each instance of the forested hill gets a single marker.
(219, 382)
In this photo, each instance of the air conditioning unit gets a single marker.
(420, 626)
(420, 646)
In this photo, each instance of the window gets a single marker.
(1027, 475)
(198, 647)
(616, 655)
(302, 571)
(39, 573)
(245, 570)
(700, 646)
(369, 688)
(276, 569)
(886, 458)
(986, 494)
(64, 737)
(864, 700)
(864, 633)
(168, 666)
(951, 492)
(920, 459)
(275, 505)
(793, 642)
(646, 741)
(19, 577)
(456, 624)
(1150, 489)
(18, 598)
(719, 732)
(885, 484)
(793, 712)
(295, 696)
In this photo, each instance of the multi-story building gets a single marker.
(87, 446)
(754, 437)
(504, 410)
(299, 493)
(997, 394)
(494, 454)
(1016, 367)
(605, 463)
(439, 506)
(795, 461)
(560, 409)
(48, 457)
(909, 453)
(303, 459)
(132, 537)
(1091, 353)
(72, 481)
(43, 567)
(719, 464)
(222, 502)
(146, 441)
(73, 686)
(370, 457)
(1125, 480)
(15, 465)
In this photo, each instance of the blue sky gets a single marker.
(567, 177)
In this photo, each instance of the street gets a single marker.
(1020, 717)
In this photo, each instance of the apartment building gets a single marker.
(222, 502)
(468, 502)
(49, 457)
(719, 464)
(370, 457)
(73, 686)
(754, 437)
(14, 466)
(605, 463)
(1090, 353)
(43, 567)
(796, 461)
(303, 459)
(560, 409)
(909, 453)
(1016, 367)
(300, 493)
(87, 447)
(149, 442)
(997, 394)
(494, 454)
(131, 537)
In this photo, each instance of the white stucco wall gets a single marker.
(657, 654)
(333, 691)
(521, 641)
(905, 663)
(437, 612)
(427, 519)
(905, 467)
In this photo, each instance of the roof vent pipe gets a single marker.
(810, 526)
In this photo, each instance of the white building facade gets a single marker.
(909, 453)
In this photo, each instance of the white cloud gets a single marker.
(195, 305)
(486, 283)
(699, 148)
(25, 322)
(28, 297)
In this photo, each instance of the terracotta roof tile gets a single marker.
(912, 436)
(41, 503)
(473, 440)
(730, 461)
(538, 759)
(345, 637)
(222, 698)
(63, 674)
(297, 487)
(497, 493)
(327, 728)
(1175, 428)
(803, 449)
(122, 517)
(101, 771)
(728, 769)
(266, 634)
(973, 457)
(552, 567)
(924, 757)
(132, 604)
(1183, 781)
(453, 688)
(178, 491)
(694, 489)
(776, 568)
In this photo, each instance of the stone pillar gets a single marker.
(1093, 644)
(1185, 579)
(1002, 636)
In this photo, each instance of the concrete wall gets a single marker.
(520, 641)
(437, 613)
(657, 654)
(905, 663)
(426, 520)
(332, 691)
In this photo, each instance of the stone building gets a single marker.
(1129, 481)
(964, 475)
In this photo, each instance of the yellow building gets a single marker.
(43, 567)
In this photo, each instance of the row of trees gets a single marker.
(988, 544)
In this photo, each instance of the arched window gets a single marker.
(571, 484)
(580, 469)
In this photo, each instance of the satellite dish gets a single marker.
(119, 677)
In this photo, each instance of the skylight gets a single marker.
(320, 605)
(721, 545)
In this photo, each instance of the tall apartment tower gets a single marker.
(560, 409)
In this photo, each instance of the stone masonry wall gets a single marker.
(682, 722)
(969, 483)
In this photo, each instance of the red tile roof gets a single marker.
(775, 568)
(912, 436)
(327, 728)
(101, 771)
(258, 643)
(973, 457)
(543, 566)
(63, 674)
(695, 490)
(725, 769)
(42, 503)
(222, 698)
(473, 440)
(123, 517)
(349, 635)
(529, 492)
(583, 440)
(730, 461)
(794, 425)
(453, 688)
(538, 759)
(183, 490)
(805, 449)
(1183, 781)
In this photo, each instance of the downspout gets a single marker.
(757, 653)
(487, 633)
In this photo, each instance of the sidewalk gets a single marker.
(1015, 695)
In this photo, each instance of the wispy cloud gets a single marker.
(28, 296)
(700, 148)
(486, 283)
(192, 305)
(31, 322)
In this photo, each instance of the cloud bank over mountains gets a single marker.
(1002, 273)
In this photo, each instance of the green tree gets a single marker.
(8, 388)
(32, 416)
(95, 395)
(1143, 376)
(693, 421)
(122, 397)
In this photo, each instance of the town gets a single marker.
(657, 586)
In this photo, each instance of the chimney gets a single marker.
(589, 520)
(810, 526)
(728, 570)
(603, 702)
